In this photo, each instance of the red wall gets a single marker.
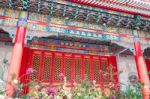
(22, 75)
(147, 61)
(45, 56)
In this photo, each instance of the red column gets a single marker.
(142, 70)
(14, 67)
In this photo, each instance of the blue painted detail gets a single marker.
(136, 38)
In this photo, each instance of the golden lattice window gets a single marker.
(105, 69)
(77, 70)
(87, 68)
(96, 71)
(57, 68)
(36, 66)
(68, 68)
(46, 69)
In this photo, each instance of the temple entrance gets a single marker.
(49, 64)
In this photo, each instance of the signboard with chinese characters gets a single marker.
(69, 32)
(78, 33)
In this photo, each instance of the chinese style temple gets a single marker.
(76, 38)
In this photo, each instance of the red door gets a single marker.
(147, 61)
(49, 64)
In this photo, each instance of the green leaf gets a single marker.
(26, 96)
(20, 86)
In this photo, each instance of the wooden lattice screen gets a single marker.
(49, 64)
(96, 65)
(87, 67)
(46, 67)
(78, 64)
(67, 69)
(105, 70)
(36, 66)
(57, 66)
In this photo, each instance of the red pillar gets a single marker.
(14, 67)
(142, 70)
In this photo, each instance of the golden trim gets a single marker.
(47, 53)
(77, 56)
(68, 54)
(58, 54)
(37, 52)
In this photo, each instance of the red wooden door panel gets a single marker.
(68, 66)
(36, 64)
(77, 67)
(104, 70)
(96, 69)
(49, 64)
(58, 60)
(113, 67)
(86, 66)
(147, 61)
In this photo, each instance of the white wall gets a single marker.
(5, 53)
(127, 65)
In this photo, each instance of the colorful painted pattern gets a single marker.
(35, 29)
